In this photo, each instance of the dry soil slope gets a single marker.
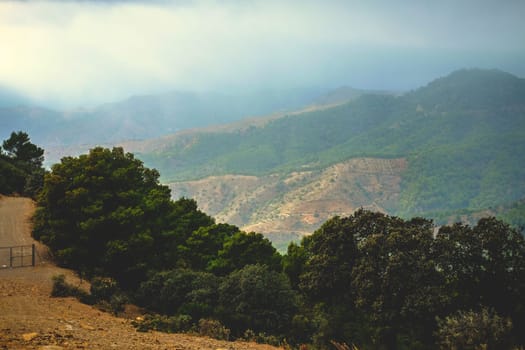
(30, 319)
(297, 204)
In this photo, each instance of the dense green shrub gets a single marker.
(63, 289)
(168, 324)
(103, 288)
(257, 298)
(472, 330)
(213, 329)
(180, 291)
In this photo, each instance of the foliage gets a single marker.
(103, 288)
(105, 292)
(484, 265)
(256, 298)
(293, 263)
(241, 249)
(62, 289)
(331, 254)
(379, 281)
(213, 329)
(471, 330)
(180, 291)
(203, 245)
(105, 213)
(161, 323)
(21, 165)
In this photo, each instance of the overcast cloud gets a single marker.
(90, 52)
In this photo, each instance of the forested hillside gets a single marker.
(370, 279)
(463, 137)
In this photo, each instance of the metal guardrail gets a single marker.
(17, 256)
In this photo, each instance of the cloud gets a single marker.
(102, 50)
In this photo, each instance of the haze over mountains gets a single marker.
(145, 116)
(451, 148)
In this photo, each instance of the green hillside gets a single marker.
(463, 136)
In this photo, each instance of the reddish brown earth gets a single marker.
(31, 319)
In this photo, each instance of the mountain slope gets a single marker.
(290, 206)
(462, 136)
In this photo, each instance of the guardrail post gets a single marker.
(10, 256)
(33, 254)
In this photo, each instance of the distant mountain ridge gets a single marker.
(462, 137)
(148, 116)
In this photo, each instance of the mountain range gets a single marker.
(148, 116)
(450, 150)
(453, 146)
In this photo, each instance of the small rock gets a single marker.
(29, 336)
(50, 347)
(68, 327)
(88, 327)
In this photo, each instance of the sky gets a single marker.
(89, 52)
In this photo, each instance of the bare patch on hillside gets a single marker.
(299, 203)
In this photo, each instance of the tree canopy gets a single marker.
(21, 165)
(381, 281)
(106, 213)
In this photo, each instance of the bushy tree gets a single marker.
(241, 249)
(180, 291)
(21, 165)
(330, 257)
(105, 213)
(395, 280)
(294, 262)
(380, 281)
(484, 265)
(202, 247)
(257, 298)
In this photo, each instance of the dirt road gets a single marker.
(31, 319)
